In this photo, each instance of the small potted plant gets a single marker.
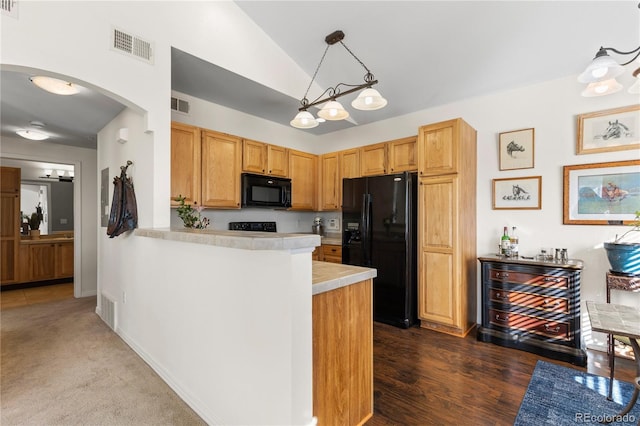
(624, 257)
(34, 222)
(191, 216)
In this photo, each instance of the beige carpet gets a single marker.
(61, 365)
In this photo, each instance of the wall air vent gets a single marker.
(9, 8)
(132, 45)
(108, 311)
(179, 105)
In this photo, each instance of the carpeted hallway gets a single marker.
(61, 365)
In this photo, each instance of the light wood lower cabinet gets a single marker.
(343, 355)
(331, 253)
(43, 261)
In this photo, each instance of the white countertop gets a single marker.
(234, 239)
(327, 276)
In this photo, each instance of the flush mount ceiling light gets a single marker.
(34, 135)
(54, 85)
(601, 73)
(368, 100)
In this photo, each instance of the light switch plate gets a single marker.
(333, 225)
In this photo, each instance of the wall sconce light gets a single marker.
(601, 73)
(48, 172)
(368, 100)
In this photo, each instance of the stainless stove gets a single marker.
(253, 226)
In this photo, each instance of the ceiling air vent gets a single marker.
(179, 105)
(131, 45)
(9, 7)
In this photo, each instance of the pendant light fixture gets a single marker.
(601, 73)
(368, 100)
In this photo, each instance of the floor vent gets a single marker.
(108, 311)
(9, 7)
(131, 45)
(180, 105)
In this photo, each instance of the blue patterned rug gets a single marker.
(563, 396)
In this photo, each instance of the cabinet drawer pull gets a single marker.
(502, 296)
(550, 302)
(551, 330)
(550, 279)
(503, 318)
(502, 275)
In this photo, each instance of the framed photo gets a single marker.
(517, 193)
(516, 149)
(601, 193)
(609, 130)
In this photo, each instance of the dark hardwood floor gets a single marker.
(422, 377)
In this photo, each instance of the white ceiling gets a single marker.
(424, 53)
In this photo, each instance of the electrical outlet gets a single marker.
(333, 224)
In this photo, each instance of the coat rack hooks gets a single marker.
(124, 168)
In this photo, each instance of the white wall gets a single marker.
(85, 199)
(215, 32)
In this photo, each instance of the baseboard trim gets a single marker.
(196, 404)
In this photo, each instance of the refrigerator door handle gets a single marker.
(366, 228)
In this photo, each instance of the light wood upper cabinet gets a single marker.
(262, 158)
(389, 157)
(349, 164)
(447, 227)
(403, 155)
(439, 148)
(373, 159)
(330, 198)
(9, 224)
(221, 169)
(185, 163)
(277, 161)
(303, 173)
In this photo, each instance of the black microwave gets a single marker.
(265, 191)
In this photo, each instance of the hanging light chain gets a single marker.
(305, 101)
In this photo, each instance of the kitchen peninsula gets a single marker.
(264, 334)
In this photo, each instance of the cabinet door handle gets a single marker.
(502, 296)
(551, 330)
(502, 275)
(503, 319)
(550, 279)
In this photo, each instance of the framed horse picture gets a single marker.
(516, 149)
(609, 130)
(601, 193)
(523, 193)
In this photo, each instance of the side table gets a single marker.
(623, 283)
(624, 321)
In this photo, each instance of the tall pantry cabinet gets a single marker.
(447, 227)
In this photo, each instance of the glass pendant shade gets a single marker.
(304, 120)
(603, 67)
(333, 110)
(32, 134)
(54, 85)
(369, 100)
(602, 88)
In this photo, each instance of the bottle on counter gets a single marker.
(514, 242)
(505, 243)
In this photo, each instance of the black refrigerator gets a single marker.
(379, 222)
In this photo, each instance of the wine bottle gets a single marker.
(514, 242)
(505, 243)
